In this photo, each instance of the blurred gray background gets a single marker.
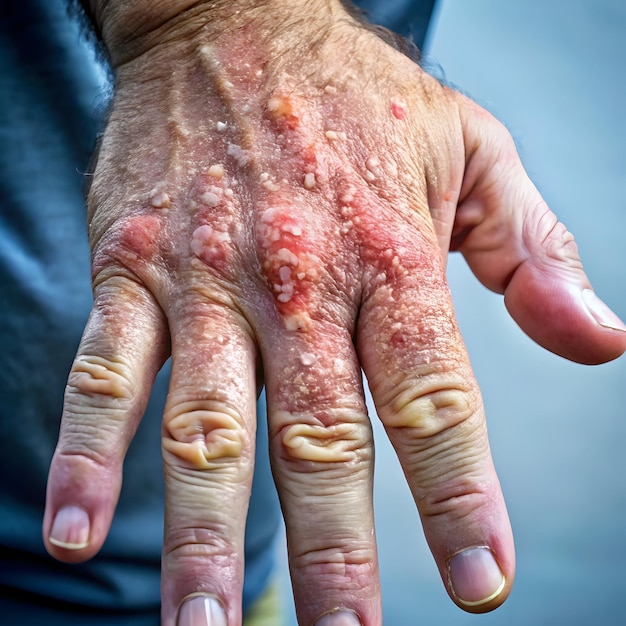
(554, 72)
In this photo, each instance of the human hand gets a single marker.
(284, 193)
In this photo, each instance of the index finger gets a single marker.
(429, 402)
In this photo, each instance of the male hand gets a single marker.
(276, 193)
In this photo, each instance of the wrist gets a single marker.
(131, 28)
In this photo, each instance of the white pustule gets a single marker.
(373, 169)
(159, 198)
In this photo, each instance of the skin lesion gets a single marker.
(288, 263)
(211, 246)
(202, 434)
(281, 110)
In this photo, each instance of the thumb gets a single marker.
(516, 246)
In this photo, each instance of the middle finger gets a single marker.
(322, 455)
(320, 435)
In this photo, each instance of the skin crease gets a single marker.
(279, 188)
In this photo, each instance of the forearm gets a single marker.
(129, 28)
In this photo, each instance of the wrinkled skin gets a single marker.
(276, 204)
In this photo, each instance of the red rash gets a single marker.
(136, 239)
(286, 261)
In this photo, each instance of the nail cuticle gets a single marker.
(339, 617)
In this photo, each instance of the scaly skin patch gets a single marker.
(296, 130)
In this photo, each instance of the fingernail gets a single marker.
(601, 312)
(339, 618)
(475, 577)
(200, 610)
(70, 529)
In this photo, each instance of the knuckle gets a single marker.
(306, 438)
(98, 397)
(131, 244)
(103, 380)
(556, 241)
(456, 502)
(82, 453)
(213, 246)
(189, 550)
(339, 566)
(287, 249)
(196, 541)
(204, 433)
(428, 406)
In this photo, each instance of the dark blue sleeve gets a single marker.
(409, 18)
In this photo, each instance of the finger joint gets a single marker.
(204, 433)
